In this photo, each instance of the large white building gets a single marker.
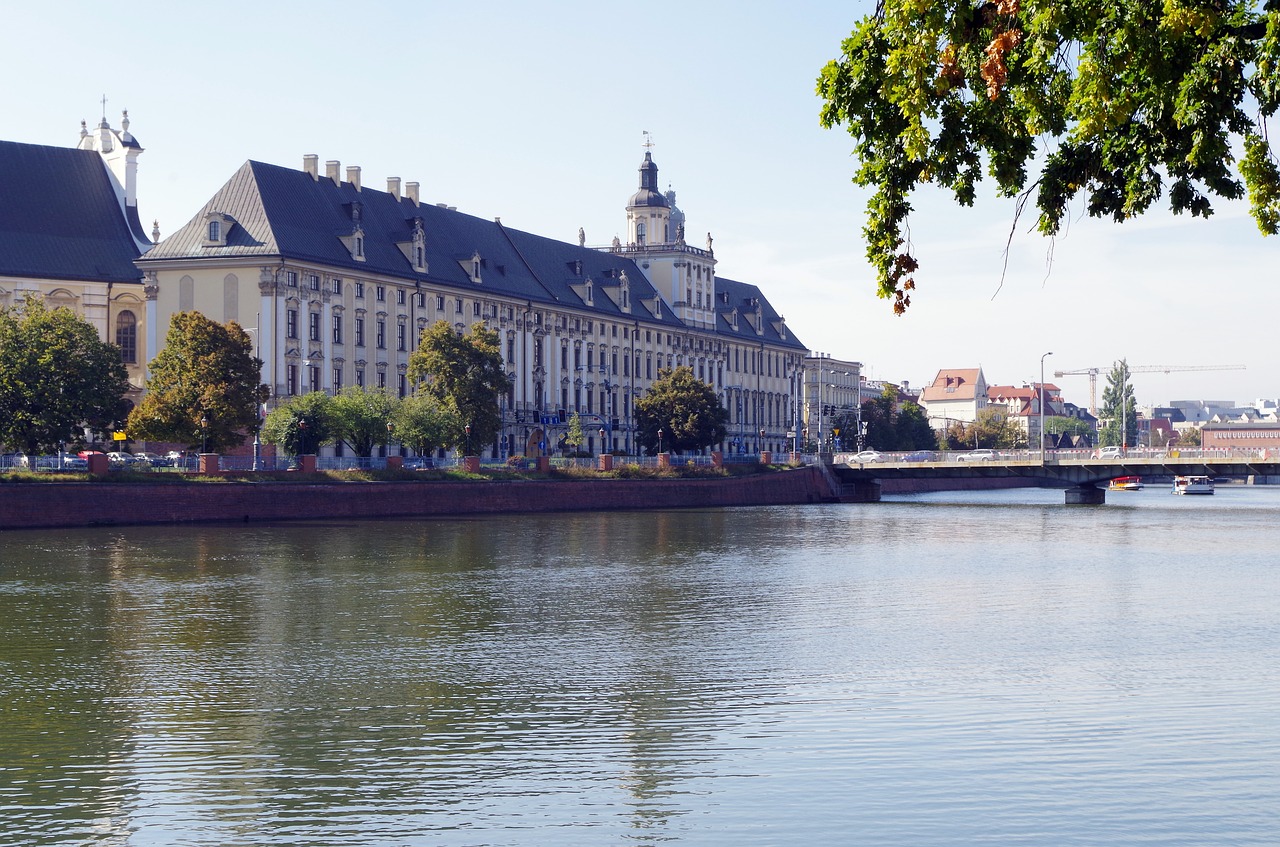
(338, 280)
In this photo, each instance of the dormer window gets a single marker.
(216, 227)
(355, 243)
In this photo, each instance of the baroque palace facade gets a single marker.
(337, 281)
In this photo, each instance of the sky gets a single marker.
(537, 114)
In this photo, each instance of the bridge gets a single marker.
(1085, 478)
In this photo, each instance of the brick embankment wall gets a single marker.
(36, 505)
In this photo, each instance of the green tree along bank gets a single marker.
(465, 374)
(56, 378)
(890, 425)
(205, 388)
(687, 411)
(1056, 98)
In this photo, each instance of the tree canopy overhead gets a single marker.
(1113, 101)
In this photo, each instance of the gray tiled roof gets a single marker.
(285, 213)
(60, 217)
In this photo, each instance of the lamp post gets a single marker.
(602, 450)
(1042, 393)
(302, 436)
(659, 442)
(390, 429)
(468, 431)
(204, 434)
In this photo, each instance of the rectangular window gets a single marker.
(337, 329)
(337, 286)
(337, 380)
(291, 380)
(537, 352)
(382, 335)
(291, 279)
(291, 323)
(360, 377)
(359, 332)
(475, 309)
(511, 350)
(404, 386)
(457, 305)
(564, 357)
(420, 300)
(313, 280)
(615, 363)
(313, 326)
(400, 336)
(380, 293)
(577, 358)
(590, 355)
(382, 379)
(400, 293)
(360, 290)
(313, 378)
(439, 302)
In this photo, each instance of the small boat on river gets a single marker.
(1192, 485)
(1126, 483)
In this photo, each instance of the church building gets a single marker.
(70, 234)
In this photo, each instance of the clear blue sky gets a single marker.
(534, 113)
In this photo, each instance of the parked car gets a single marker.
(155, 460)
(921, 456)
(418, 463)
(868, 456)
(1115, 451)
(980, 455)
(119, 459)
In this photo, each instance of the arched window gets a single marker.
(640, 233)
(127, 336)
(215, 230)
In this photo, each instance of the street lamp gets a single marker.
(659, 442)
(602, 450)
(1042, 393)
(761, 440)
(204, 434)
(468, 430)
(302, 436)
(390, 429)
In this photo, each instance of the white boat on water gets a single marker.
(1192, 485)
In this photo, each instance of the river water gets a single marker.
(950, 669)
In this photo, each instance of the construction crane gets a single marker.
(1138, 369)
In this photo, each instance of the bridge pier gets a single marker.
(860, 491)
(1086, 495)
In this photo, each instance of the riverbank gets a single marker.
(34, 506)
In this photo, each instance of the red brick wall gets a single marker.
(32, 505)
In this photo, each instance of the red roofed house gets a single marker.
(1023, 404)
(956, 394)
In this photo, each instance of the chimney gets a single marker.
(393, 186)
(331, 168)
(311, 165)
(353, 176)
(411, 191)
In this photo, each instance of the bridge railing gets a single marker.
(943, 457)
